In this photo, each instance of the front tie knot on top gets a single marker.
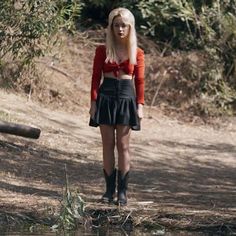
(117, 67)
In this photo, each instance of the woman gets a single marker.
(117, 102)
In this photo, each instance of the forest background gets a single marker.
(203, 84)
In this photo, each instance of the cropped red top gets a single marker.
(100, 66)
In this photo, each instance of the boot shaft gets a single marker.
(110, 186)
(110, 179)
(123, 181)
(122, 187)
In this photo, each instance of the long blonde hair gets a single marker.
(132, 40)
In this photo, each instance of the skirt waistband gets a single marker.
(122, 88)
(114, 80)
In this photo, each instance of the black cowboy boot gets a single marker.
(122, 187)
(110, 186)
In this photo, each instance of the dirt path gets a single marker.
(183, 175)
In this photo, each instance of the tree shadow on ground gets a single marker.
(186, 179)
(35, 163)
(169, 179)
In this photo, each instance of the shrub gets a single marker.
(27, 29)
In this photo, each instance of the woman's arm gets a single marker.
(98, 61)
(139, 81)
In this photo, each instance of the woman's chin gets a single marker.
(121, 37)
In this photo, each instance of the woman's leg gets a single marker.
(123, 137)
(108, 143)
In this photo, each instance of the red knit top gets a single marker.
(100, 66)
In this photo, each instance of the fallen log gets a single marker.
(19, 130)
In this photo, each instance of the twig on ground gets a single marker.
(57, 69)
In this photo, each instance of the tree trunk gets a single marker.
(19, 130)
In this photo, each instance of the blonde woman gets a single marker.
(117, 98)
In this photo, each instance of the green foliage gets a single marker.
(72, 210)
(218, 80)
(96, 12)
(27, 27)
(205, 25)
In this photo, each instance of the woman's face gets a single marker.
(120, 28)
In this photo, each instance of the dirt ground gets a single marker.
(183, 174)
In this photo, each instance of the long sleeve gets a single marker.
(139, 76)
(99, 58)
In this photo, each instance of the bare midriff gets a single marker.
(121, 75)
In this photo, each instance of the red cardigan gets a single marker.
(99, 67)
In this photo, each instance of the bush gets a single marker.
(204, 25)
(27, 29)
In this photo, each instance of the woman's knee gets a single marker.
(122, 146)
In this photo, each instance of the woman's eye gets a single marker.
(122, 25)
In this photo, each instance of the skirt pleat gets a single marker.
(116, 104)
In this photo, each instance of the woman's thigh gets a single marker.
(123, 136)
(108, 135)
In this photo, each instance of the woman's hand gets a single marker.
(140, 111)
(92, 109)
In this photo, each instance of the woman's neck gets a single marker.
(121, 44)
(121, 47)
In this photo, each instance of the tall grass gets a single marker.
(72, 211)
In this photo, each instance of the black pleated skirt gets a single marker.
(116, 104)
